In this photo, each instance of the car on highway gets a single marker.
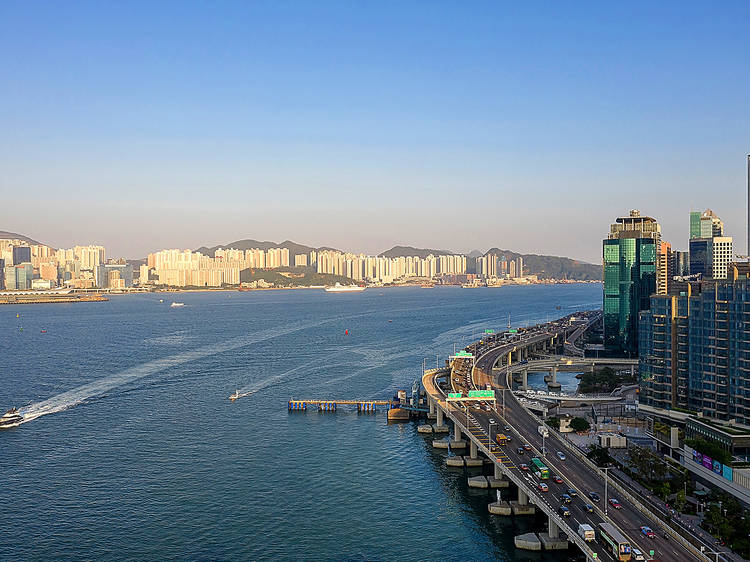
(556, 478)
(587, 507)
(566, 498)
(572, 493)
(492, 422)
(564, 511)
(561, 455)
(637, 554)
(543, 487)
(524, 466)
(615, 503)
(527, 446)
(594, 496)
(520, 451)
(507, 428)
(646, 530)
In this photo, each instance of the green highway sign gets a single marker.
(513, 331)
(651, 552)
(463, 353)
(454, 395)
(489, 331)
(481, 394)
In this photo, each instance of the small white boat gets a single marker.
(11, 418)
(339, 288)
(234, 396)
(175, 304)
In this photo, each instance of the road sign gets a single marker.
(463, 353)
(489, 331)
(454, 395)
(513, 331)
(481, 394)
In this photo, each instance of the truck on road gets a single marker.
(586, 532)
(543, 431)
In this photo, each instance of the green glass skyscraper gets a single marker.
(630, 277)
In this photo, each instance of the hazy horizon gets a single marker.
(145, 126)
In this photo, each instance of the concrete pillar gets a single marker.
(498, 475)
(554, 374)
(632, 371)
(523, 498)
(432, 405)
(472, 449)
(439, 416)
(525, 379)
(456, 432)
(554, 530)
(510, 358)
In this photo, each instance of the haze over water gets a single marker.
(134, 450)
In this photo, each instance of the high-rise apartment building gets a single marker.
(664, 267)
(21, 254)
(695, 353)
(630, 277)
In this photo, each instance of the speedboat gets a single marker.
(174, 304)
(11, 418)
(235, 396)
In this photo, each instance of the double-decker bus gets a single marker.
(540, 469)
(615, 542)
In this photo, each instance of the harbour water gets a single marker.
(134, 451)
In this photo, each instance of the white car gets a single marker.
(637, 554)
(561, 455)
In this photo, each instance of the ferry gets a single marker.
(11, 418)
(234, 396)
(339, 288)
(175, 304)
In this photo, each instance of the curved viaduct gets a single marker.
(479, 421)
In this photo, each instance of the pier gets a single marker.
(331, 405)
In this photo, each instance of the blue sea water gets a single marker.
(133, 450)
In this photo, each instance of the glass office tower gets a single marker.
(630, 278)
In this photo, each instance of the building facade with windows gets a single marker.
(695, 349)
(630, 263)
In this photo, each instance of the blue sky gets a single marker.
(360, 125)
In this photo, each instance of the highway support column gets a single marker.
(522, 506)
(551, 539)
(553, 384)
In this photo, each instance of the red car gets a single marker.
(648, 532)
(557, 479)
(614, 503)
(527, 447)
(524, 467)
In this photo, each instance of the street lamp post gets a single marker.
(606, 481)
(492, 444)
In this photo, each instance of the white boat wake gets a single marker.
(310, 366)
(78, 395)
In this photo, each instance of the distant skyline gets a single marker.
(143, 126)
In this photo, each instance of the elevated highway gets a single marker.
(474, 421)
